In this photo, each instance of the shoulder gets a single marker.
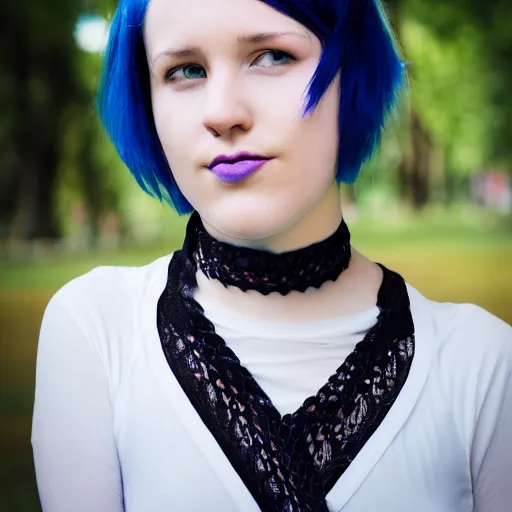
(106, 306)
(468, 333)
(107, 288)
(468, 353)
(471, 356)
(465, 330)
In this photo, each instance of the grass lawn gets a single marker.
(446, 261)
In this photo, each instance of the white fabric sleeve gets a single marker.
(75, 454)
(491, 454)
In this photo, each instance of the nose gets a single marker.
(226, 110)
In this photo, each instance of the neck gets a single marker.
(354, 291)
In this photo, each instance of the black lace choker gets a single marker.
(266, 272)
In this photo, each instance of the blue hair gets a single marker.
(356, 41)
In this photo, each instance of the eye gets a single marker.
(273, 58)
(186, 72)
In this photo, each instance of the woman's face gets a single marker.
(230, 76)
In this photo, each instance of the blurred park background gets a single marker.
(435, 204)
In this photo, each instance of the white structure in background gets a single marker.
(91, 33)
(493, 189)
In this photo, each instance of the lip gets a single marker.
(230, 159)
(237, 167)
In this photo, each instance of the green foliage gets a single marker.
(450, 90)
(482, 33)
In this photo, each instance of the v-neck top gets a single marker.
(113, 430)
(291, 360)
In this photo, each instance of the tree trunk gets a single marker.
(404, 178)
(45, 225)
(420, 164)
(37, 139)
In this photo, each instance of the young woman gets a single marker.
(267, 365)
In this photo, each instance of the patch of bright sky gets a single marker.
(91, 33)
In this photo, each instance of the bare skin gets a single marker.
(355, 291)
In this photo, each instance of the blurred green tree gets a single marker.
(460, 55)
(38, 80)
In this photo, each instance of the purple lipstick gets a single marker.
(231, 169)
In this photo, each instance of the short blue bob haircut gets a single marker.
(356, 40)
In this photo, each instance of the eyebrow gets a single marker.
(263, 37)
(258, 38)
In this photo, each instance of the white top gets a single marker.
(112, 424)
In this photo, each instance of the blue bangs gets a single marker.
(356, 42)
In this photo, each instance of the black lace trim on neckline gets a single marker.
(266, 272)
(288, 463)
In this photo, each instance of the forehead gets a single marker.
(196, 21)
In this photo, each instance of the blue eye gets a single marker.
(273, 58)
(187, 72)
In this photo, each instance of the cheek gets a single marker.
(175, 128)
(176, 125)
(315, 139)
(323, 131)
(278, 101)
